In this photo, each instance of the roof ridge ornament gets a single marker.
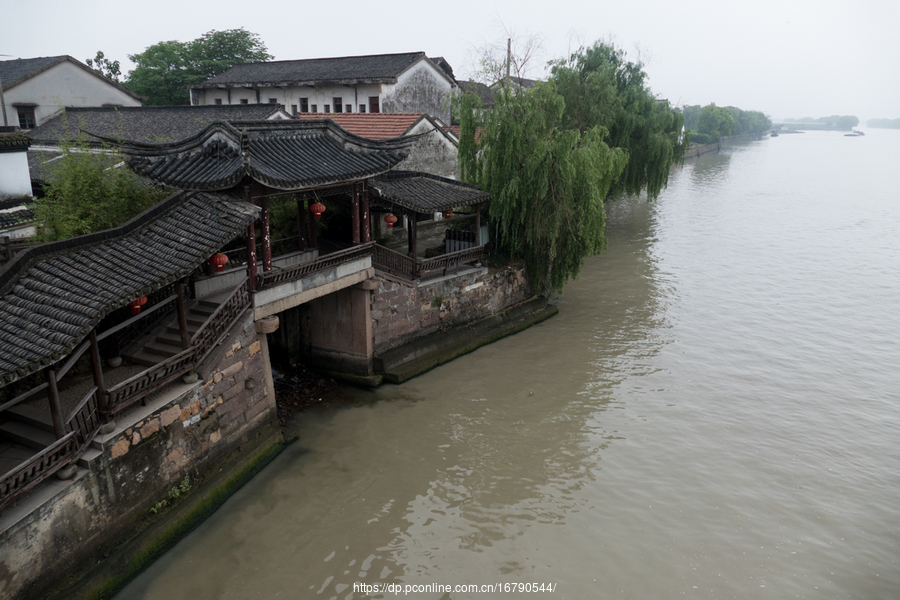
(245, 147)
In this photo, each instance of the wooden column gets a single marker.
(302, 218)
(251, 247)
(59, 428)
(412, 234)
(102, 396)
(364, 206)
(266, 234)
(182, 316)
(313, 241)
(478, 224)
(354, 214)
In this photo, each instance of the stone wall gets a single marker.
(186, 430)
(402, 312)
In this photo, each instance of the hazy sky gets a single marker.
(786, 58)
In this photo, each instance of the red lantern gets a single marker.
(219, 260)
(390, 220)
(317, 209)
(447, 213)
(137, 304)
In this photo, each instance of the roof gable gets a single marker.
(16, 72)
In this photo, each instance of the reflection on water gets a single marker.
(712, 414)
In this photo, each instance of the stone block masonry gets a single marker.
(402, 312)
(186, 430)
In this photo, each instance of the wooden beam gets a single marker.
(364, 207)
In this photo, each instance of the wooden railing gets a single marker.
(9, 247)
(84, 420)
(38, 468)
(238, 256)
(218, 324)
(294, 272)
(404, 266)
(394, 263)
(126, 393)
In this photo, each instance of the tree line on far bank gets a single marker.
(884, 123)
(709, 123)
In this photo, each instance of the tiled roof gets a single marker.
(484, 93)
(285, 155)
(14, 141)
(423, 192)
(373, 126)
(14, 72)
(52, 295)
(22, 213)
(375, 68)
(148, 124)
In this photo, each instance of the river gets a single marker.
(714, 413)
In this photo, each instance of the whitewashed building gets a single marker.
(379, 83)
(35, 89)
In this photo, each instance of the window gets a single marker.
(338, 104)
(218, 101)
(304, 105)
(315, 108)
(26, 117)
(243, 101)
(362, 108)
(373, 104)
(293, 109)
(328, 108)
(348, 108)
(273, 100)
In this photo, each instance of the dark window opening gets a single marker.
(348, 108)
(315, 108)
(273, 100)
(293, 109)
(338, 104)
(362, 108)
(26, 117)
(328, 108)
(244, 101)
(304, 105)
(373, 104)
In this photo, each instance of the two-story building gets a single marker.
(391, 83)
(34, 89)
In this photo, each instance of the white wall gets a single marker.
(15, 179)
(64, 84)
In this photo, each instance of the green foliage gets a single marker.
(749, 122)
(548, 183)
(715, 122)
(701, 138)
(104, 66)
(165, 70)
(89, 191)
(601, 89)
(691, 114)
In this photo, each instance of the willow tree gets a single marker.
(602, 89)
(547, 183)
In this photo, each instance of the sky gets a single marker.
(786, 58)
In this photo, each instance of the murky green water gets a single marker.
(713, 414)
